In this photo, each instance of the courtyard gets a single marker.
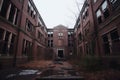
(60, 70)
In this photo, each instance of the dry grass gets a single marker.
(103, 75)
(36, 64)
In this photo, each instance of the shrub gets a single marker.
(90, 63)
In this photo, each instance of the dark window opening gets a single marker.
(51, 43)
(105, 38)
(28, 10)
(48, 43)
(29, 26)
(115, 4)
(4, 8)
(106, 45)
(12, 13)
(1, 33)
(80, 36)
(23, 47)
(87, 49)
(106, 13)
(16, 19)
(31, 13)
(86, 13)
(70, 43)
(83, 17)
(69, 35)
(48, 35)
(1, 40)
(99, 19)
(114, 36)
(26, 51)
(11, 50)
(51, 35)
(5, 44)
(34, 16)
(107, 48)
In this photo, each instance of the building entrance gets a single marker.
(60, 53)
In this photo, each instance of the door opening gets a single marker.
(60, 53)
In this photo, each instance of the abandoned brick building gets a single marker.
(60, 40)
(24, 35)
(97, 29)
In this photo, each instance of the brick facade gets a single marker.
(25, 37)
(60, 39)
(97, 30)
(23, 34)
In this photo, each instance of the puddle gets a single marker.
(11, 75)
(28, 72)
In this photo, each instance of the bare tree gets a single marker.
(76, 12)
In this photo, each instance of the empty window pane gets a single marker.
(104, 6)
(98, 13)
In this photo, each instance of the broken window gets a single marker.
(1, 39)
(7, 43)
(115, 4)
(114, 36)
(31, 11)
(12, 45)
(9, 11)
(28, 10)
(105, 9)
(106, 45)
(85, 13)
(16, 19)
(99, 16)
(26, 48)
(1, 34)
(12, 13)
(115, 40)
(80, 36)
(29, 26)
(4, 8)
(5, 46)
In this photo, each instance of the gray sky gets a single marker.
(55, 12)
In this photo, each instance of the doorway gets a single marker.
(60, 53)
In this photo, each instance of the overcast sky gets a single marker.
(55, 12)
